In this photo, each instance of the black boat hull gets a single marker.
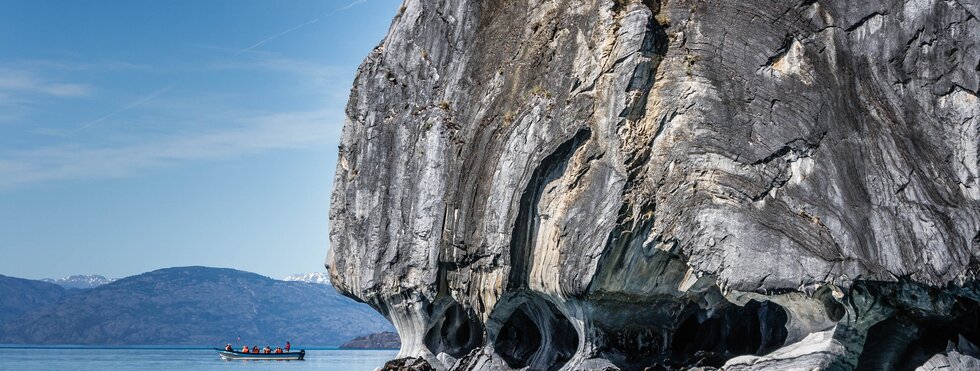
(233, 355)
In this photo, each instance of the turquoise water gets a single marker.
(160, 359)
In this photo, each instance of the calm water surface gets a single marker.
(159, 359)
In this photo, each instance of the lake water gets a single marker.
(160, 359)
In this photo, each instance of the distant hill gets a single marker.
(18, 296)
(194, 306)
(80, 281)
(319, 278)
(381, 340)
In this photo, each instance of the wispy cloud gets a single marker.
(26, 84)
(242, 135)
(202, 134)
(75, 64)
(21, 82)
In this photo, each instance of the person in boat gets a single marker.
(278, 350)
(255, 349)
(287, 346)
(245, 349)
(267, 350)
(228, 347)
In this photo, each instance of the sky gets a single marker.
(137, 135)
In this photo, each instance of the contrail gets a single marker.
(301, 25)
(348, 6)
(127, 107)
(278, 35)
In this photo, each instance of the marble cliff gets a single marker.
(623, 184)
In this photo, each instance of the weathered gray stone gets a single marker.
(960, 356)
(588, 184)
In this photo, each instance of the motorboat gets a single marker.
(286, 356)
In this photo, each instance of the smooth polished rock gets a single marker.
(623, 184)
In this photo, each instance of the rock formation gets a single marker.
(620, 184)
(380, 340)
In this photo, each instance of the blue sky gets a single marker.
(137, 135)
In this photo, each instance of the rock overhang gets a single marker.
(632, 169)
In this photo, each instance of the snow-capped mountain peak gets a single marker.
(80, 281)
(319, 278)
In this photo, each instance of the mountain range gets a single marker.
(20, 295)
(182, 306)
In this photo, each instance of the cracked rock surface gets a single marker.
(623, 184)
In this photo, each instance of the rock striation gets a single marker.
(622, 184)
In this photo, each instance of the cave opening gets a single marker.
(456, 333)
(709, 340)
(908, 339)
(563, 340)
(632, 348)
(536, 335)
(519, 339)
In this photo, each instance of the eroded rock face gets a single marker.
(623, 184)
